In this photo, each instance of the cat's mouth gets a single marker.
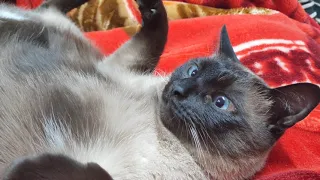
(187, 126)
(181, 112)
(179, 118)
(175, 110)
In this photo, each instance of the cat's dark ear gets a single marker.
(225, 47)
(292, 104)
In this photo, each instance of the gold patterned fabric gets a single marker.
(100, 15)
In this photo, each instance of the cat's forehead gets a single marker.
(216, 66)
(218, 63)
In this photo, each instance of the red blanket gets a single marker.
(282, 48)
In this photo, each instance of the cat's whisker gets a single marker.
(179, 124)
(183, 119)
(195, 135)
(203, 129)
(205, 146)
(187, 130)
(196, 140)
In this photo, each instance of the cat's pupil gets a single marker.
(194, 72)
(220, 102)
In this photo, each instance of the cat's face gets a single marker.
(218, 108)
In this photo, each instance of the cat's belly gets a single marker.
(149, 156)
(134, 157)
(141, 153)
(135, 145)
(144, 158)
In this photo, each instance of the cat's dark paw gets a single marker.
(54, 167)
(150, 9)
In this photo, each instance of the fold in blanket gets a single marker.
(100, 15)
(113, 15)
(291, 8)
(281, 47)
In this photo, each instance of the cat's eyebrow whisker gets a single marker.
(222, 75)
(162, 74)
(229, 74)
(186, 54)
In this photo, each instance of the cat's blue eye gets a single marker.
(193, 70)
(222, 102)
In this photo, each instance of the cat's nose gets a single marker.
(182, 88)
(178, 90)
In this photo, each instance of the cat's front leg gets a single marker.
(63, 5)
(142, 52)
(54, 167)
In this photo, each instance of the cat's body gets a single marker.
(60, 95)
(48, 75)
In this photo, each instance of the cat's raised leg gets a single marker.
(142, 52)
(63, 5)
(54, 167)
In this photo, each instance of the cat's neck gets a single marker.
(224, 167)
(174, 157)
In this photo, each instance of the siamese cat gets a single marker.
(70, 113)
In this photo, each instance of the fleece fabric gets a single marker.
(281, 45)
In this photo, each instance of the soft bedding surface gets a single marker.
(276, 39)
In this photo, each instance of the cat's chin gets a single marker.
(220, 167)
(168, 117)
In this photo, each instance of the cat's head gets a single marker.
(226, 116)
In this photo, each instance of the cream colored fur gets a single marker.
(132, 141)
